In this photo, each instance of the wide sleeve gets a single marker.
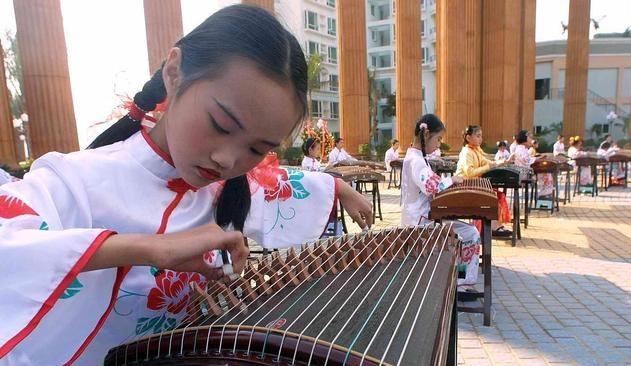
(427, 181)
(289, 207)
(45, 242)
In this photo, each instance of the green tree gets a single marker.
(373, 103)
(314, 69)
(390, 109)
(13, 69)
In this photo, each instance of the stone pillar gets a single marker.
(8, 151)
(501, 69)
(265, 4)
(352, 65)
(47, 93)
(458, 73)
(408, 69)
(577, 64)
(163, 24)
(527, 106)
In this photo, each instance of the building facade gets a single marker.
(381, 35)
(608, 86)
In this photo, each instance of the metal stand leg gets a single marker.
(486, 255)
(452, 348)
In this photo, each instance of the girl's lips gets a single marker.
(208, 173)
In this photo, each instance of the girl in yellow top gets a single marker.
(472, 163)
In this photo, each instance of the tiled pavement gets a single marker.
(562, 296)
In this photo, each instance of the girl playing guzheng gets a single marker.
(523, 157)
(100, 246)
(311, 150)
(418, 186)
(472, 164)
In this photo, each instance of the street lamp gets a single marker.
(18, 124)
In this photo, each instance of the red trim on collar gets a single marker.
(166, 157)
(48, 304)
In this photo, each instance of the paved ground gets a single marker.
(562, 296)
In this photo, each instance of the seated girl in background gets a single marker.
(606, 150)
(311, 149)
(472, 163)
(418, 186)
(576, 151)
(502, 153)
(523, 157)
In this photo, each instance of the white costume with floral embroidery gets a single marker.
(418, 186)
(53, 221)
(310, 164)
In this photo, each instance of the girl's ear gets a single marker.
(172, 71)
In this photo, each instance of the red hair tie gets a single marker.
(136, 113)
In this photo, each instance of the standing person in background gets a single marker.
(392, 153)
(338, 153)
(311, 150)
(559, 147)
(502, 153)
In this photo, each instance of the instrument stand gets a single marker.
(485, 295)
(625, 165)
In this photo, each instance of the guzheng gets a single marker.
(440, 165)
(620, 156)
(511, 176)
(474, 198)
(546, 164)
(351, 173)
(378, 298)
(588, 159)
(363, 163)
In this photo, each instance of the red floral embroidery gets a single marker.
(172, 291)
(467, 253)
(431, 185)
(11, 207)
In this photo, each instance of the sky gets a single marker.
(107, 54)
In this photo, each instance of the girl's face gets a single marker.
(221, 128)
(314, 150)
(475, 139)
(433, 142)
(502, 148)
(395, 146)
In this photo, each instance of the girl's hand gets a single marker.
(184, 251)
(358, 207)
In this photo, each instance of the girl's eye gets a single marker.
(218, 128)
(256, 152)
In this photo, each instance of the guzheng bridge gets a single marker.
(554, 290)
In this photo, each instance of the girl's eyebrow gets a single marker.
(230, 114)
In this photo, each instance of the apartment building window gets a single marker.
(334, 82)
(332, 26)
(333, 55)
(538, 129)
(422, 27)
(314, 48)
(311, 20)
(316, 108)
(423, 93)
(605, 128)
(330, 3)
(335, 110)
(425, 54)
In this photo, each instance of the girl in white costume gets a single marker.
(311, 150)
(98, 247)
(418, 186)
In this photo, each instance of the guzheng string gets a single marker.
(304, 294)
(314, 260)
(396, 297)
(364, 299)
(418, 311)
(356, 245)
(333, 296)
